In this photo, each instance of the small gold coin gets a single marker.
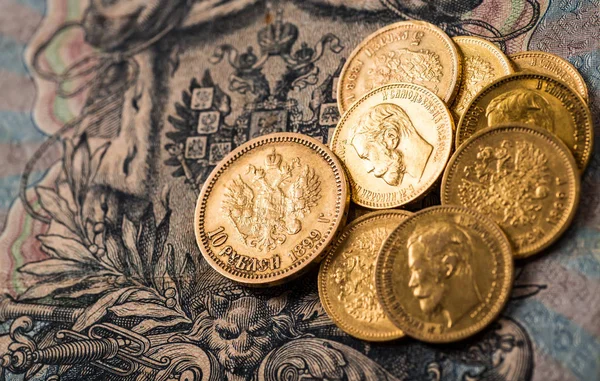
(482, 63)
(408, 51)
(270, 208)
(347, 277)
(535, 100)
(444, 274)
(525, 179)
(552, 65)
(394, 142)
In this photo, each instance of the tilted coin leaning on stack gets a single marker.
(502, 142)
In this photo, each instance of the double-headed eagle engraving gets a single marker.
(272, 203)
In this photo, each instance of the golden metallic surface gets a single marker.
(408, 51)
(552, 65)
(394, 143)
(482, 63)
(347, 277)
(270, 208)
(535, 100)
(444, 274)
(525, 179)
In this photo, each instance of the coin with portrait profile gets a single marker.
(523, 178)
(408, 51)
(536, 100)
(552, 65)
(347, 277)
(444, 274)
(394, 143)
(482, 63)
(271, 208)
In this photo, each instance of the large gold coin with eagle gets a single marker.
(271, 208)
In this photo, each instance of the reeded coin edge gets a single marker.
(434, 179)
(562, 150)
(383, 278)
(579, 81)
(324, 271)
(456, 68)
(462, 135)
(281, 275)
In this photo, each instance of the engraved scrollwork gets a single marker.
(190, 363)
(319, 359)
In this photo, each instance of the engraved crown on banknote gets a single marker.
(279, 37)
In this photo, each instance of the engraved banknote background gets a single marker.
(101, 245)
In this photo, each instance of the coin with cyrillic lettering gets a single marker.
(271, 208)
(347, 277)
(523, 178)
(552, 65)
(408, 51)
(444, 274)
(394, 143)
(536, 100)
(482, 63)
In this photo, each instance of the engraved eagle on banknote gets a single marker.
(272, 202)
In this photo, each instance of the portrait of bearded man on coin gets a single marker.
(441, 273)
(390, 145)
(521, 106)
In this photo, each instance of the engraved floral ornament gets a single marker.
(476, 73)
(103, 264)
(405, 65)
(354, 276)
(271, 204)
(508, 182)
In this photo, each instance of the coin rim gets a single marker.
(384, 295)
(290, 272)
(581, 86)
(434, 181)
(455, 53)
(352, 329)
(562, 149)
(589, 133)
(491, 47)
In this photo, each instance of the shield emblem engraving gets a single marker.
(217, 152)
(202, 98)
(195, 147)
(208, 122)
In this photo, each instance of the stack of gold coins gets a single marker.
(500, 142)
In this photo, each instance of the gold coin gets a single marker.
(408, 51)
(482, 63)
(394, 143)
(347, 277)
(524, 179)
(270, 208)
(552, 65)
(444, 274)
(535, 100)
